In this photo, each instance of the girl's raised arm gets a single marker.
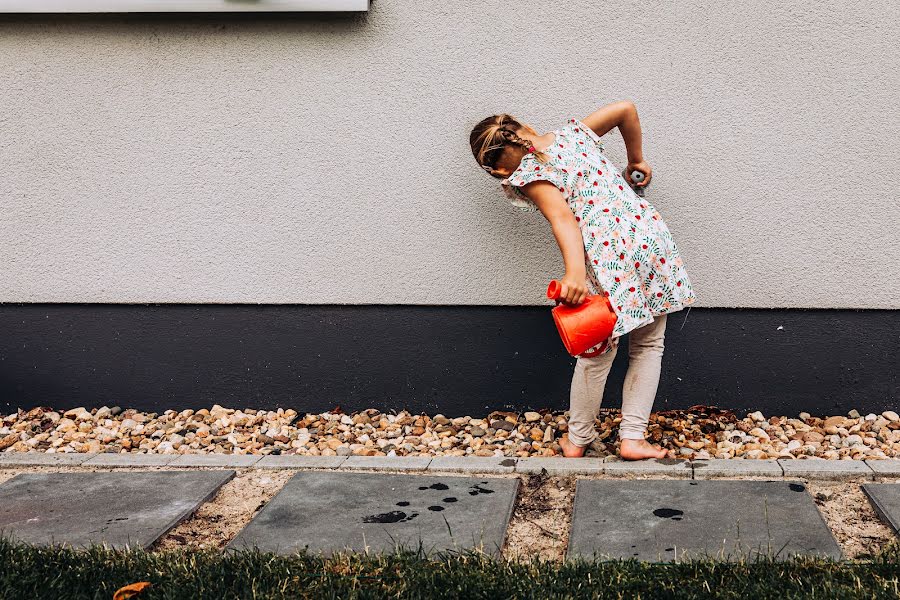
(556, 210)
(623, 115)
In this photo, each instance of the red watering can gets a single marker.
(584, 325)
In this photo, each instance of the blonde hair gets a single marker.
(493, 134)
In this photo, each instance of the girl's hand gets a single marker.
(573, 289)
(641, 166)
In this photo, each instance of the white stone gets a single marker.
(759, 433)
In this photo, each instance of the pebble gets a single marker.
(834, 422)
(548, 434)
(701, 432)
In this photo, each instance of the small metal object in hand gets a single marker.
(637, 177)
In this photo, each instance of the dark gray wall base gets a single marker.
(450, 359)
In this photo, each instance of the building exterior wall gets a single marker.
(323, 158)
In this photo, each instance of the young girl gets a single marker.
(612, 241)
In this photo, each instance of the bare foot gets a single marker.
(569, 448)
(638, 449)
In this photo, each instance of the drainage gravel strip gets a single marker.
(699, 433)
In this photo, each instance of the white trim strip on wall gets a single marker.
(122, 6)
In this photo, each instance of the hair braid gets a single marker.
(511, 137)
(492, 135)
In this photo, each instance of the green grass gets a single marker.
(58, 573)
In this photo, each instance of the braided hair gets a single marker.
(493, 134)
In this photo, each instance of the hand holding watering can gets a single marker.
(584, 325)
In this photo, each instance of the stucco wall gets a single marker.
(324, 158)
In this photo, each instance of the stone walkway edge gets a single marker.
(696, 469)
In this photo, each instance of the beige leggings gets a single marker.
(645, 350)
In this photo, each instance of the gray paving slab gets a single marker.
(672, 467)
(885, 497)
(387, 463)
(216, 460)
(131, 509)
(129, 459)
(825, 469)
(730, 467)
(669, 520)
(334, 511)
(43, 459)
(560, 466)
(473, 464)
(294, 461)
(888, 466)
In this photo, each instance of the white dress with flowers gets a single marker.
(630, 254)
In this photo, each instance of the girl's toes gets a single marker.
(569, 448)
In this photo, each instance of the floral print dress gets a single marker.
(630, 255)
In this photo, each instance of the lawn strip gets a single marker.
(30, 572)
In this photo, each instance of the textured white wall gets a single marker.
(325, 159)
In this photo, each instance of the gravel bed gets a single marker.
(541, 518)
(221, 518)
(700, 432)
(851, 518)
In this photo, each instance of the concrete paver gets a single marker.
(885, 467)
(666, 520)
(672, 467)
(293, 461)
(825, 469)
(121, 509)
(387, 463)
(560, 466)
(43, 459)
(730, 467)
(108, 459)
(328, 512)
(473, 464)
(885, 497)
(234, 461)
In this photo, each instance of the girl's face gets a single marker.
(511, 156)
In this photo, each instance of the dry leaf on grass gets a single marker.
(131, 590)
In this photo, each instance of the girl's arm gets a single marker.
(556, 210)
(623, 115)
